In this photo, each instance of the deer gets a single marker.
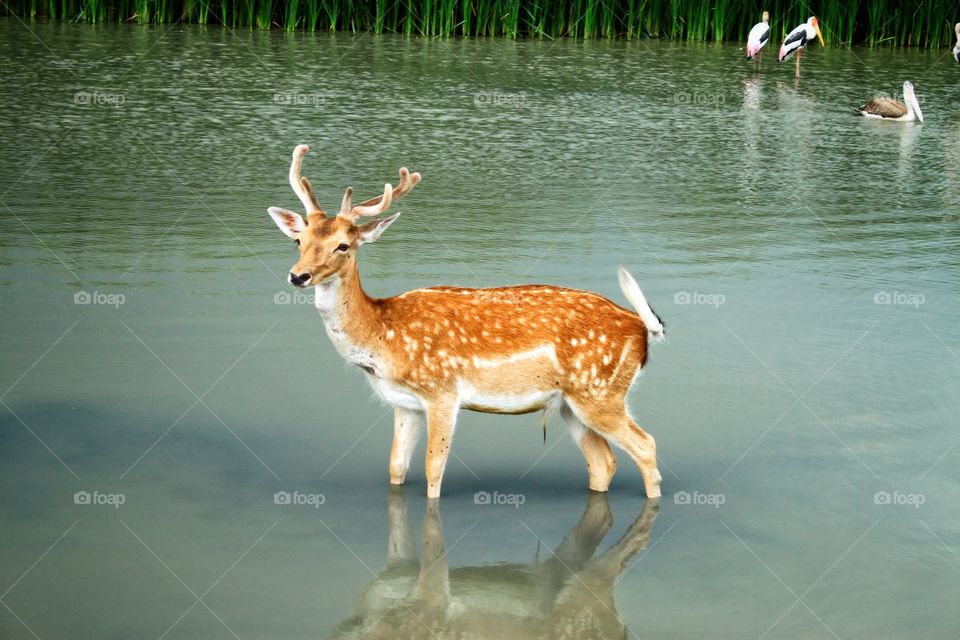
(432, 352)
(569, 593)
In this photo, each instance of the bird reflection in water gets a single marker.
(568, 595)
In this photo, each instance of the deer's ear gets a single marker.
(370, 231)
(289, 222)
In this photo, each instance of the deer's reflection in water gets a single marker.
(568, 595)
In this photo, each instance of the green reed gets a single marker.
(920, 23)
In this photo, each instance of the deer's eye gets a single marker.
(343, 247)
(297, 241)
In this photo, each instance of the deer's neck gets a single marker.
(351, 317)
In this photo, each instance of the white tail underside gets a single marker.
(631, 290)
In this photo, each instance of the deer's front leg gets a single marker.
(407, 425)
(441, 417)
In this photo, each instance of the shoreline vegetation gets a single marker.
(924, 23)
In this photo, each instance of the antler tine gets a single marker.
(309, 189)
(362, 210)
(375, 206)
(345, 205)
(301, 186)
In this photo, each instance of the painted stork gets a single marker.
(759, 35)
(797, 39)
(887, 108)
(956, 47)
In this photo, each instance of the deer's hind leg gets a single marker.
(601, 463)
(612, 421)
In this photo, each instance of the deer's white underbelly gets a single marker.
(504, 402)
(394, 394)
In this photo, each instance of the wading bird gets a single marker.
(887, 108)
(956, 47)
(432, 352)
(798, 39)
(758, 37)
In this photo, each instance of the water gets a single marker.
(767, 224)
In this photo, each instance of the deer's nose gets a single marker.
(298, 280)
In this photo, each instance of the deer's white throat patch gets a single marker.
(326, 300)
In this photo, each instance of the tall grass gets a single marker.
(919, 23)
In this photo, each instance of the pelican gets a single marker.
(956, 47)
(759, 36)
(887, 108)
(797, 39)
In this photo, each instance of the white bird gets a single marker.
(887, 108)
(956, 47)
(759, 35)
(797, 39)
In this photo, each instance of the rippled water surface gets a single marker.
(805, 405)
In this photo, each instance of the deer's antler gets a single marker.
(301, 186)
(376, 206)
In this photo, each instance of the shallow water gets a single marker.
(804, 260)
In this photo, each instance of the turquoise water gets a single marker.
(803, 259)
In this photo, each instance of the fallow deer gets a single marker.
(431, 352)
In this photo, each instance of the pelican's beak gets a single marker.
(816, 28)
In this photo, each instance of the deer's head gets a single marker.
(328, 245)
